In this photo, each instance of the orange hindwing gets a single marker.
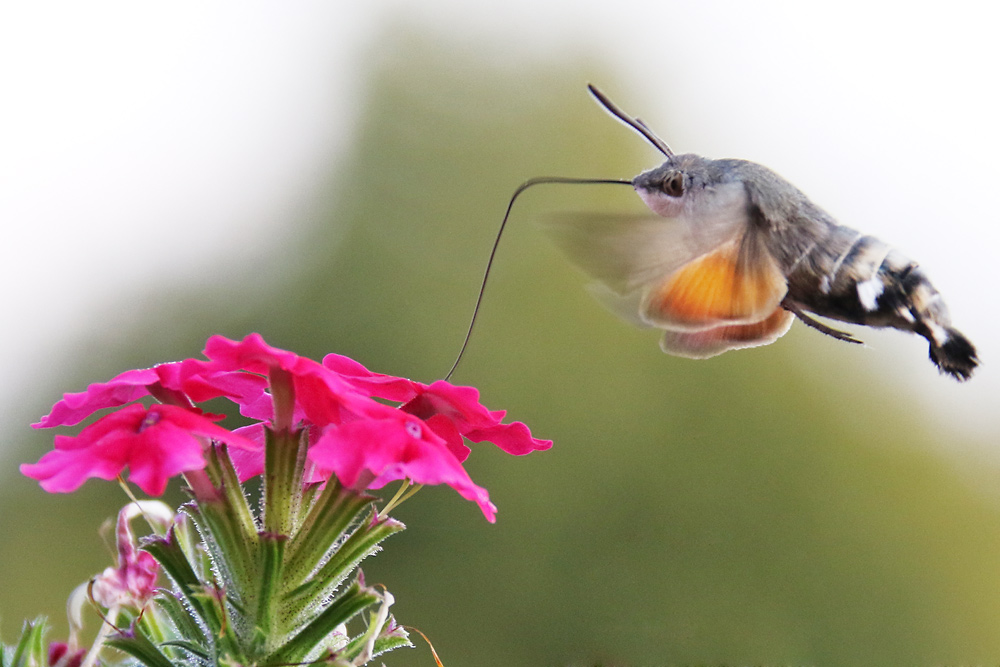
(725, 286)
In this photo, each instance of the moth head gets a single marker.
(666, 188)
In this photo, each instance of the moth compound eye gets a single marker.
(673, 184)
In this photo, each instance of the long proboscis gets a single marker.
(635, 123)
(565, 180)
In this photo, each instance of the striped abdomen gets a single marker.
(857, 278)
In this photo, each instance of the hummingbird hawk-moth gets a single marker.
(732, 254)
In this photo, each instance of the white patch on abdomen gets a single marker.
(869, 291)
(938, 332)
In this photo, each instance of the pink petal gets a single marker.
(451, 410)
(388, 387)
(445, 429)
(249, 462)
(155, 444)
(394, 449)
(200, 381)
(461, 406)
(327, 399)
(121, 389)
(514, 438)
(250, 354)
(322, 396)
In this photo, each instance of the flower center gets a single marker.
(151, 419)
(413, 428)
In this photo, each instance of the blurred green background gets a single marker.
(783, 505)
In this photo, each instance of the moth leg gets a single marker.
(817, 325)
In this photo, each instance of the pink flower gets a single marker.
(197, 381)
(119, 390)
(60, 655)
(249, 462)
(364, 441)
(133, 581)
(453, 412)
(178, 383)
(321, 396)
(388, 387)
(155, 444)
(371, 453)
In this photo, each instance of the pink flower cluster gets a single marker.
(366, 443)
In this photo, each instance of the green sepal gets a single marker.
(169, 554)
(182, 619)
(190, 647)
(255, 645)
(232, 553)
(139, 647)
(232, 490)
(310, 492)
(345, 607)
(272, 552)
(397, 638)
(363, 542)
(231, 544)
(331, 515)
(202, 598)
(214, 598)
(285, 456)
(30, 650)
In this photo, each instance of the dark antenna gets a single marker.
(489, 264)
(635, 123)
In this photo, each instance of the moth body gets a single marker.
(733, 253)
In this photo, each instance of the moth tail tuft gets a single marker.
(956, 356)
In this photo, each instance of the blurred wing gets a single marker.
(675, 275)
(626, 253)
